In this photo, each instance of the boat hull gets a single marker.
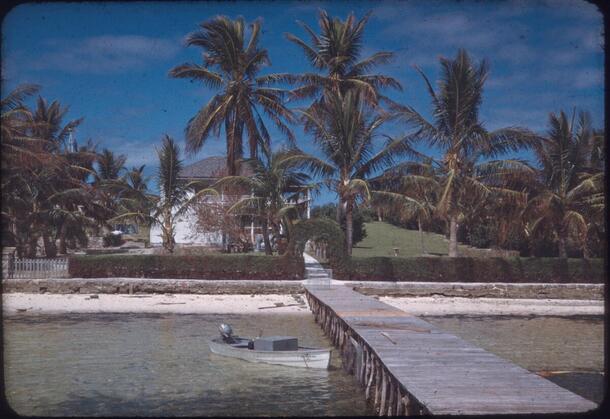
(302, 358)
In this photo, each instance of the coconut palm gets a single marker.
(345, 131)
(410, 190)
(569, 190)
(232, 64)
(176, 195)
(469, 175)
(276, 185)
(336, 52)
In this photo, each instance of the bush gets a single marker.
(359, 217)
(188, 267)
(463, 269)
(112, 240)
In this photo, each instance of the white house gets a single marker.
(208, 171)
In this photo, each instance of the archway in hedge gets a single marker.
(315, 229)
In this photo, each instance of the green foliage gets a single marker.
(231, 66)
(112, 240)
(322, 228)
(462, 269)
(360, 216)
(217, 266)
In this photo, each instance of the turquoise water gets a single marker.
(160, 365)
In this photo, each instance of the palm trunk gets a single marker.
(379, 217)
(50, 250)
(561, 246)
(265, 225)
(63, 249)
(453, 227)
(421, 236)
(349, 228)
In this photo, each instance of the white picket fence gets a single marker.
(40, 268)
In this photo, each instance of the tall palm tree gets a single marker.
(336, 52)
(568, 190)
(411, 190)
(276, 185)
(470, 176)
(345, 131)
(175, 199)
(232, 64)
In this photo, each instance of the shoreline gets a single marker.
(30, 303)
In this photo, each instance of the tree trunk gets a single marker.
(265, 226)
(63, 249)
(379, 217)
(349, 227)
(561, 246)
(421, 236)
(453, 227)
(50, 250)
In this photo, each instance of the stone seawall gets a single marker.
(390, 289)
(149, 286)
(480, 290)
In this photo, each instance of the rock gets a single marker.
(94, 296)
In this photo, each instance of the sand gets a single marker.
(18, 303)
(442, 306)
(151, 303)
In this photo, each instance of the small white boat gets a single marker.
(243, 348)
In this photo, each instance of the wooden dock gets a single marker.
(407, 366)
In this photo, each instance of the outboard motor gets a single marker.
(226, 331)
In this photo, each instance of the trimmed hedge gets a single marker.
(464, 269)
(187, 267)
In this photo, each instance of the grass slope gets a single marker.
(382, 238)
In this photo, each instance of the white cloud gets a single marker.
(105, 54)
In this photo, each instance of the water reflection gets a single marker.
(159, 365)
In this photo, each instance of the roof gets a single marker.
(211, 168)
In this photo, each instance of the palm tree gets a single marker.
(345, 130)
(232, 65)
(276, 185)
(569, 190)
(176, 195)
(456, 130)
(411, 190)
(337, 53)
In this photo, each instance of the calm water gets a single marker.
(567, 351)
(160, 365)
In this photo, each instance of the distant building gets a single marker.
(208, 171)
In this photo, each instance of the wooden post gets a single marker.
(384, 392)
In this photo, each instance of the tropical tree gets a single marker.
(175, 199)
(276, 187)
(345, 131)
(336, 53)
(232, 64)
(470, 170)
(411, 191)
(569, 190)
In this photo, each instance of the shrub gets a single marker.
(188, 267)
(112, 240)
(463, 269)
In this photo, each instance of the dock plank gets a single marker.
(443, 372)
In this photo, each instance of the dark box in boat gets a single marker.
(276, 343)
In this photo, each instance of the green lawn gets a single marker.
(382, 238)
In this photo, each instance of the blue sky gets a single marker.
(109, 61)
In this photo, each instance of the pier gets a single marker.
(407, 366)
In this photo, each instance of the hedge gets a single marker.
(464, 269)
(187, 267)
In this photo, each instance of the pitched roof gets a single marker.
(211, 168)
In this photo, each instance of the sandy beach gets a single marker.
(18, 303)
